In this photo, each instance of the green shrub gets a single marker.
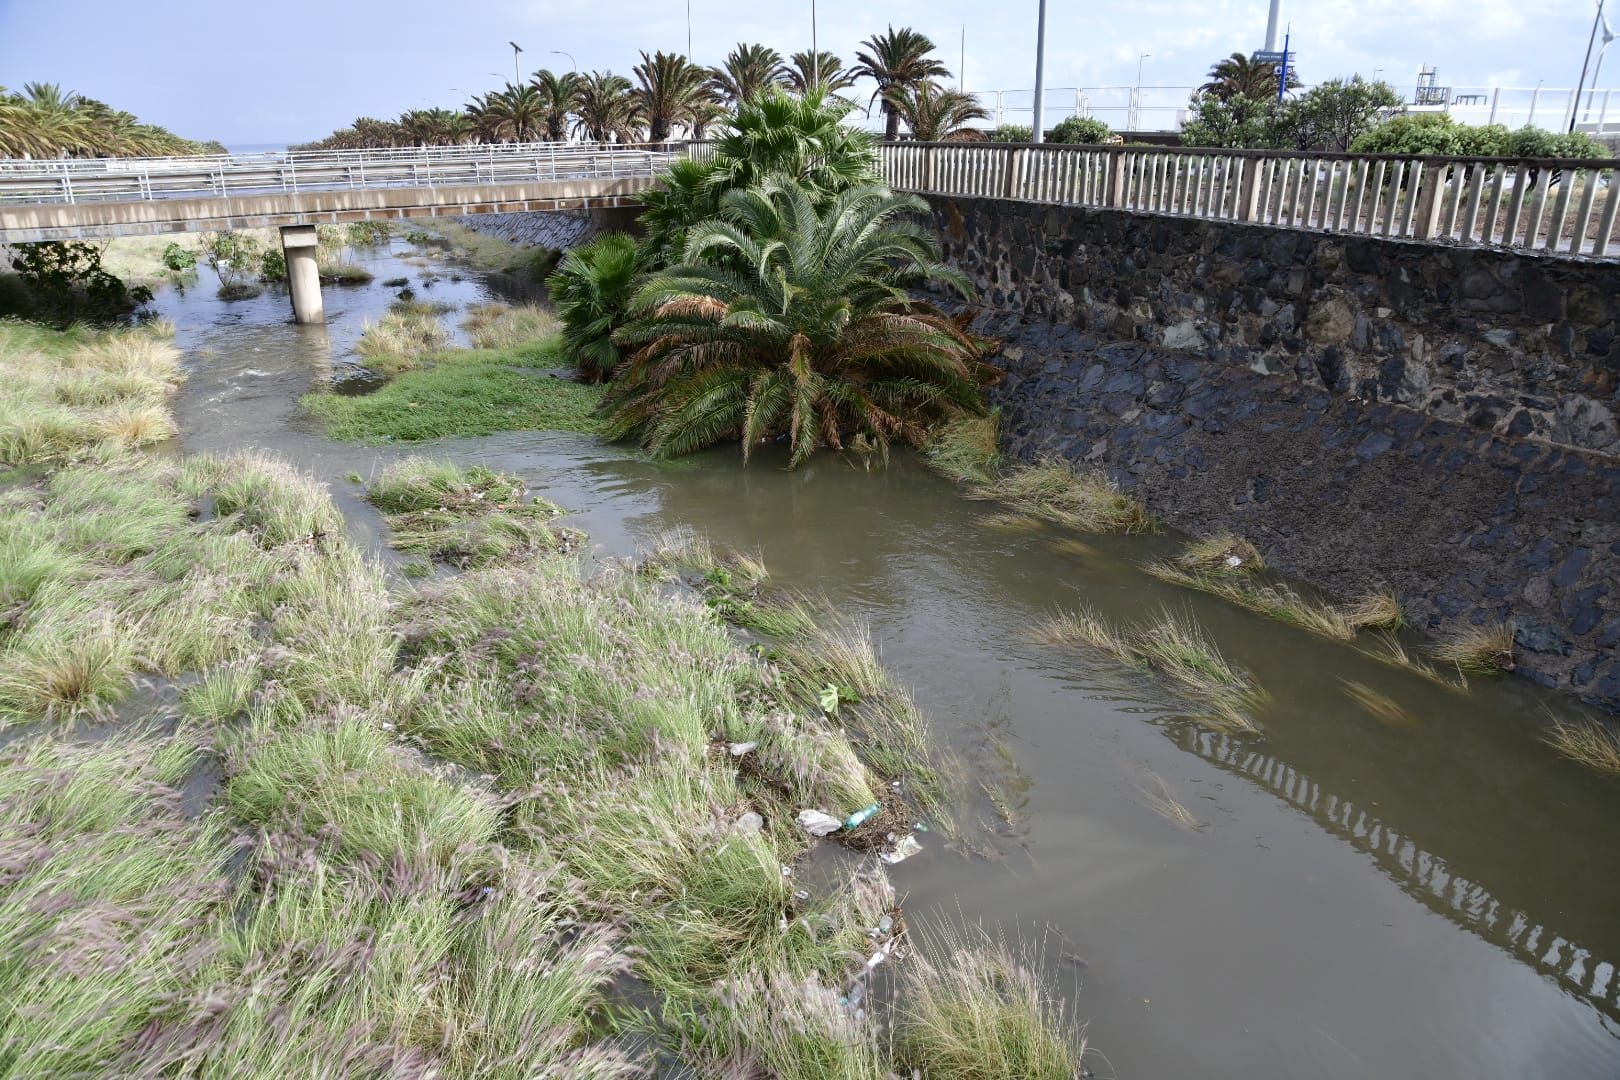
(1422, 134)
(273, 266)
(235, 257)
(1080, 129)
(177, 258)
(65, 279)
(591, 290)
(368, 233)
(1013, 133)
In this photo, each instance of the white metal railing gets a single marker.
(1164, 108)
(1530, 205)
(83, 180)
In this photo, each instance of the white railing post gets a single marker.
(1430, 180)
(1116, 179)
(1496, 95)
(1249, 188)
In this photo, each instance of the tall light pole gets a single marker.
(1040, 73)
(1136, 94)
(573, 64)
(1574, 105)
(815, 49)
(688, 31)
(517, 75)
(961, 66)
(1271, 25)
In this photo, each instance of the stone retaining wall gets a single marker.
(1305, 445)
(561, 230)
(1504, 342)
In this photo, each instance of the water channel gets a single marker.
(1435, 895)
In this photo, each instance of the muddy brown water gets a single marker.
(1434, 896)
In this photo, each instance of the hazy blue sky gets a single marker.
(248, 71)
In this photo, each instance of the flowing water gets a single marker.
(1430, 894)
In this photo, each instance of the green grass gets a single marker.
(471, 517)
(967, 450)
(497, 326)
(472, 392)
(1061, 493)
(974, 1007)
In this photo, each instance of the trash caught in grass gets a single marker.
(860, 817)
(817, 823)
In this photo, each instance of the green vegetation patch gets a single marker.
(466, 392)
(470, 517)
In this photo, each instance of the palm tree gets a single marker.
(932, 112)
(683, 197)
(589, 291)
(783, 318)
(603, 108)
(559, 92)
(1239, 76)
(514, 114)
(670, 87)
(802, 138)
(749, 71)
(897, 59)
(805, 69)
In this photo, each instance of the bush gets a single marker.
(235, 257)
(65, 279)
(591, 291)
(1422, 134)
(177, 258)
(273, 266)
(1080, 129)
(368, 233)
(1013, 133)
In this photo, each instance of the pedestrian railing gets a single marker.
(143, 179)
(1567, 206)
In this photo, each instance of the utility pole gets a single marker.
(1271, 26)
(1136, 95)
(517, 76)
(688, 31)
(961, 66)
(1040, 72)
(1574, 105)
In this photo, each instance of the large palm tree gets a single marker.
(749, 71)
(669, 89)
(783, 318)
(603, 108)
(896, 60)
(1240, 76)
(803, 138)
(560, 93)
(932, 112)
(513, 114)
(805, 69)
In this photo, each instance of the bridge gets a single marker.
(1562, 207)
(99, 198)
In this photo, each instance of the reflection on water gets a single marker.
(1435, 899)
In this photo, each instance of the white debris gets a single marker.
(905, 849)
(818, 823)
(1233, 561)
(749, 824)
(738, 749)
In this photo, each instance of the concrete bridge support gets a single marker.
(298, 244)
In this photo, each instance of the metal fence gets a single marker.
(1529, 205)
(142, 179)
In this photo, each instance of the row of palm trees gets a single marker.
(44, 121)
(670, 95)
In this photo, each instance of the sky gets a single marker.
(249, 71)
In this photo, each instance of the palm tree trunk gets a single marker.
(891, 123)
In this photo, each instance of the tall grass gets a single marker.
(401, 340)
(1590, 742)
(1059, 492)
(971, 1006)
(967, 450)
(497, 326)
(1485, 649)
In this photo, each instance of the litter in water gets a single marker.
(860, 817)
(905, 849)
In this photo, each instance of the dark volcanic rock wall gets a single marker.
(1515, 344)
(1344, 482)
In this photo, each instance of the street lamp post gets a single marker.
(1040, 73)
(517, 74)
(574, 64)
(815, 49)
(1574, 104)
(1136, 93)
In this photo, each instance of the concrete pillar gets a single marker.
(298, 243)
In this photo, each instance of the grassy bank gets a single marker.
(485, 251)
(465, 392)
(269, 815)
